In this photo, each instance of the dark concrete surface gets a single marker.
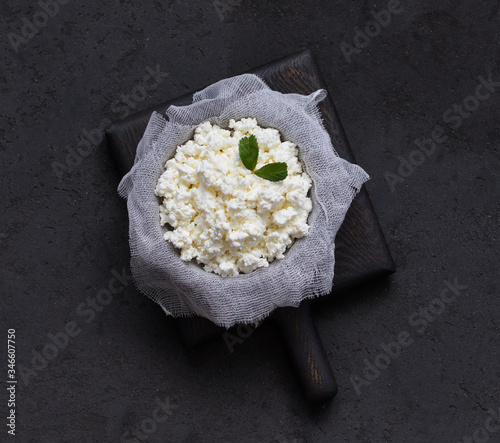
(62, 238)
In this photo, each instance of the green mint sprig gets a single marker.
(249, 153)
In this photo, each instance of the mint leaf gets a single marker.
(274, 172)
(249, 151)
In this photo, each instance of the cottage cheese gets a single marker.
(223, 215)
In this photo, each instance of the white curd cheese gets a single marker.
(222, 214)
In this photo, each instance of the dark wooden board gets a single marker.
(361, 252)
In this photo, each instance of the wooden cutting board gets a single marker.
(361, 252)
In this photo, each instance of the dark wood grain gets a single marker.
(361, 252)
(304, 345)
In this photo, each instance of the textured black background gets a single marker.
(62, 237)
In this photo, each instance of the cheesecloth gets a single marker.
(184, 288)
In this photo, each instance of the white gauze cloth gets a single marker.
(184, 288)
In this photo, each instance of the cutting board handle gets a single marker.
(304, 345)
